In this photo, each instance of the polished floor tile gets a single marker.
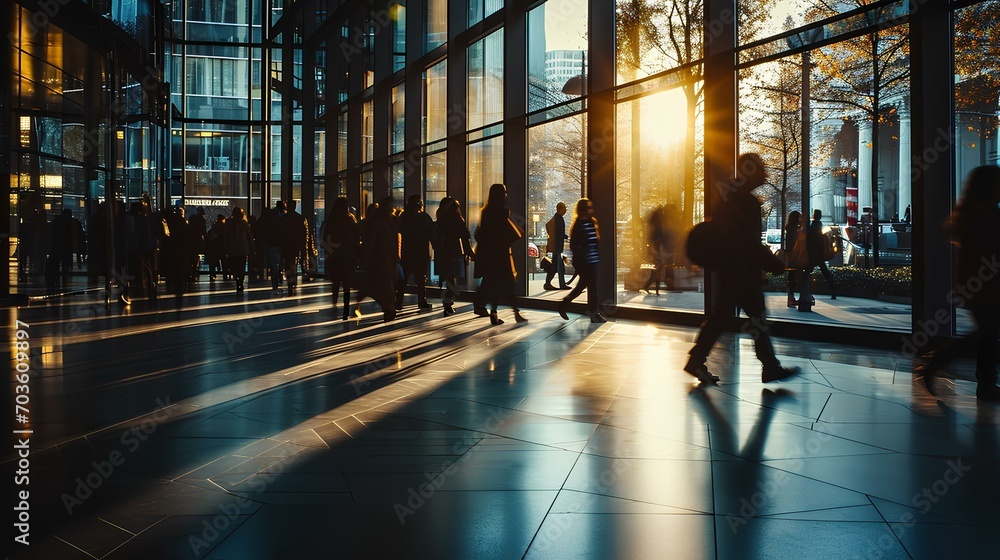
(267, 428)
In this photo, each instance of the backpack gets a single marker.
(704, 245)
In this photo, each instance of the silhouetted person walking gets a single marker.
(215, 247)
(416, 228)
(583, 241)
(793, 228)
(239, 245)
(975, 228)
(556, 244)
(452, 249)
(293, 231)
(339, 239)
(815, 242)
(739, 284)
(380, 258)
(494, 261)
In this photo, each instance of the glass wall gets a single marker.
(219, 67)
(81, 131)
(821, 91)
(847, 155)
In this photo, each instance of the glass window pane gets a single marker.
(434, 125)
(485, 167)
(557, 173)
(652, 37)
(435, 177)
(396, 142)
(485, 81)
(367, 131)
(436, 24)
(557, 53)
(342, 142)
(857, 138)
(660, 196)
(397, 11)
(977, 89)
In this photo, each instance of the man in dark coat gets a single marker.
(292, 229)
(416, 228)
(556, 244)
(815, 241)
(739, 284)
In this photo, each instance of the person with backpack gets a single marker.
(739, 259)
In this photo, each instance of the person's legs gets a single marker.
(549, 276)
(752, 301)
(420, 276)
(290, 260)
(593, 294)
(988, 320)
(715, 322)
(274, 266)
(560, 265)
(793, 281)
(829, 279)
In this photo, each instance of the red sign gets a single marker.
(852, 206)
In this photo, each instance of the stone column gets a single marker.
(864, 166)
(905, 192)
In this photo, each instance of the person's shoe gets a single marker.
(700, 371)
(425, 305)
(834, 296)
(291, 290)
(562, 310)
(988, 393)
(598, 318)
(792, 302)
(518, 317)
(399, 307)
(495, 320)
(449, 309)
(549, 287)
(481, 311)
(776, 373)
(564, 287)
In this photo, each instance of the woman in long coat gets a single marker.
(239, 245)
(452, 249)
(494, 261)
(340, 241)
(380, 258)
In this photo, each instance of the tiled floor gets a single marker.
(250, 427)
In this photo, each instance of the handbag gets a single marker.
(799, 257)
(546, 264)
